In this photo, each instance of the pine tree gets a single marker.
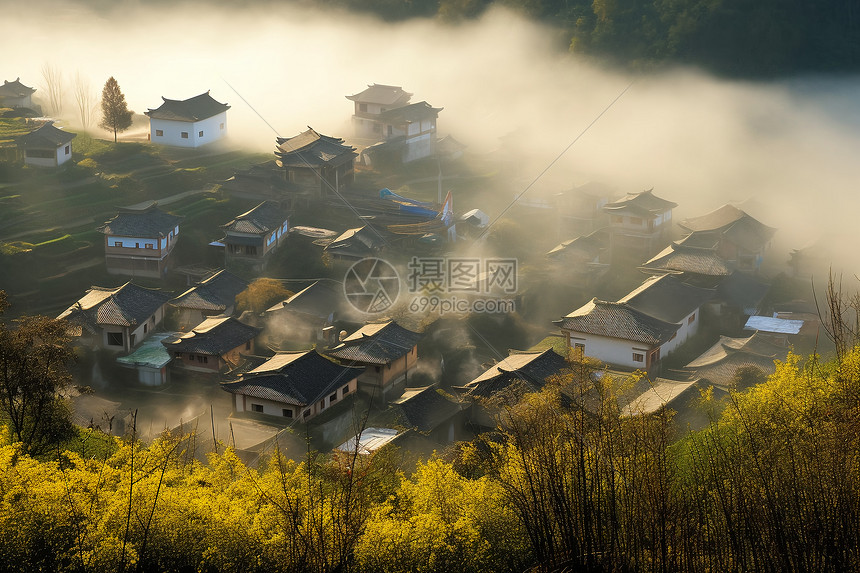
(115, 113)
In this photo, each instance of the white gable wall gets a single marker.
(62, 154)
(171, 131)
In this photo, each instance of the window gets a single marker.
(68, 149)
(376, 368)
(286, 412)
(137, 245)
(202, 359)
(179, 355)
(692, 318)
(222, 127)
(159, 132)
(114, 338)
(306, 413)
(199, 134)
(257, 408)
(637, 357)
(344, 391)
(362, 107)
(117, 243)
(145, 328)
(248, 345)
(149, 245)
(322, 404)
(332, 398)
(184, 135)
(579, 347)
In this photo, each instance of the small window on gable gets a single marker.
(159, 132)
(184, 135)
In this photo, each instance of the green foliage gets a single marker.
(261, 294)
(116, 116)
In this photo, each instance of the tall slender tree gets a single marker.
(115, 113)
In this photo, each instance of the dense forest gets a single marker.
(732, 37)
(567, 482)
(749, 38)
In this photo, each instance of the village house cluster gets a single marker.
(313, 358)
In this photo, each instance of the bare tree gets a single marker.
(53, 79)
(85, 99)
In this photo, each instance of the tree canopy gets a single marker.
(116, 116)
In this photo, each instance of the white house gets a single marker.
(48, 146)
(188, 123)
(370, 103)
(117, 319)
(16, 94)
(667, 298)
(139, 241)
(616, 333)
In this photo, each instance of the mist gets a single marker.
(791, 145)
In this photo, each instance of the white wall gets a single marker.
(172, 131)
(610, 350)
(420, 147)
(60, 157)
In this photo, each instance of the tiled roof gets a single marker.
(320, 299)
(357, 242)
(733, 224)
(585, 248)
(531, 368)
(381, 94)
(681, 259)
(146, 222)
(213, 336)
(15, 89)
(425, 409)
(666, 297)
(376, 344)
(720, 363)
(300, 378)
(618, 320)
(644, 203)
(192, 109)
(410, 113)
(217, 293)
(127, 305)
(661, 393)
(262, 219)
(46, 136)
(311, 149)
